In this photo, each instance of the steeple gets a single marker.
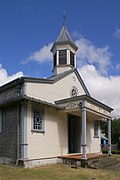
(64, 52)
(64, 38)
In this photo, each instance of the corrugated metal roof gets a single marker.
(24, 97)
(42, 102)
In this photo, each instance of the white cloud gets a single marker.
(5, 78)
(76, 34)
(103, 88)
(88, 53)
(117, 33)
(93, 63)
(40, 56)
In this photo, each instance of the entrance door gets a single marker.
(74, 134)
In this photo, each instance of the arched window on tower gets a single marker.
(72, 61)
(62, 57)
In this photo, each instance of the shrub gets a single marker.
(113, 151)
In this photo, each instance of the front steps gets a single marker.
(101, 162)
(96, 162)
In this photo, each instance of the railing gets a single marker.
(106, 147)
(115, 148)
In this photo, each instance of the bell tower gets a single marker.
(64, 52)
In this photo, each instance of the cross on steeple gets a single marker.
(64, 18)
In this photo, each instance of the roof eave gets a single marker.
(24, 97)
(84, 97)
(22, 80)
(64, 43)
(12, 83)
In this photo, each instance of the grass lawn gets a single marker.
(54, 172)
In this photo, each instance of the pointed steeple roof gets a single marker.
(64, 38)
(64, 35)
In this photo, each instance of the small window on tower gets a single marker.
(72, 62)
(74, 92)
(62, 57)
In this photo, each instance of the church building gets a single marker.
(42, 119)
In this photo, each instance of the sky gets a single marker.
(28, 28)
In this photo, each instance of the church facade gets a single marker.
(42, 119)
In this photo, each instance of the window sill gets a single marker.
(37, 131)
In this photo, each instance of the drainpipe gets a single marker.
(18, 130)
(24, 144)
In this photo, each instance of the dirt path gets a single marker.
(115, 166)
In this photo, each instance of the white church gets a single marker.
(42, 120)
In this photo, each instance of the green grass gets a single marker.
(56, 172)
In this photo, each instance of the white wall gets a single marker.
(93, 144)
(56, 91)
(54, 142)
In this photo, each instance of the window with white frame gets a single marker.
(74, 92)
(62, 57)
(0, 120)
(38, 120)
(96, 128)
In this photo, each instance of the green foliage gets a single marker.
(104, 128)
(113, 151)
(115, 130)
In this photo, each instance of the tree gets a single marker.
(104, 128)
(115, 130)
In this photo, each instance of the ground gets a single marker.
(114, 167)
(56, 172)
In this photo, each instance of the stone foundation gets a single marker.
(99, 162)
(71, 162)
(5, 160)
(29, 163)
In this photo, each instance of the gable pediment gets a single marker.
(92, 105)
(71, 76)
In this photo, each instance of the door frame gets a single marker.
(77, 128)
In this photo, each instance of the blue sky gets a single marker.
(29, 27)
